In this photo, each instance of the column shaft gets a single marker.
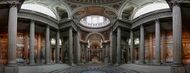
(32, 41)
(12, 34)
(142, 49)
(157, 42)
(177, 35)
(118, 45)
(111, 48)
(79, 47)
(47, 46)
(57, 47)
(132, 46)
(71, 45)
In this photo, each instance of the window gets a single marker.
(94, 21)
(38, 8)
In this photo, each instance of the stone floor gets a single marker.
(147, 68)
(93, 69)
(41, 68)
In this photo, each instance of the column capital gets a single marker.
(13, 3)
(175, 2)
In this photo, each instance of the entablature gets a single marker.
(150, 17)
(28, 14)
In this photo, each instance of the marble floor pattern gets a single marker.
(93, 69)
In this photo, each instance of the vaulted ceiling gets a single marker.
(69, 8)
(94, 1)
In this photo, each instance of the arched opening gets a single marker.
(95, 49)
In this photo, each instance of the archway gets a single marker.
(95, 48)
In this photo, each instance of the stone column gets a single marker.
(118, 46)
(177, 35)
(12, 34)
(79, 47)
(57, 47)
(106, 54)
(177, 39)
(71, 45)
(157, 42)
(111, 48)
(132, 46)
(32, 42)
(47, 45)
(142, 48)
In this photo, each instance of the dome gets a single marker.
(94, 21)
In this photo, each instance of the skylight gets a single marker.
(38, 8)
(95, 21)
(150, 7)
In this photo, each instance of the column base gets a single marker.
(157, 63)
(141, 62)
(72, 64)
(11, 69)
(177, 69)
(32, 63)
(116, 64)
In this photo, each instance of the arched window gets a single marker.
(149, 8)
(38, 8)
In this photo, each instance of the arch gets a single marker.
(91, 34)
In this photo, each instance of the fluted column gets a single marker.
(118, 45)
(47, 45)
(12, 34)
(57, 47)
(157, 42)
(32, 41)
(71, 45)
(142, 48)
(79, 47)
(132, 46)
